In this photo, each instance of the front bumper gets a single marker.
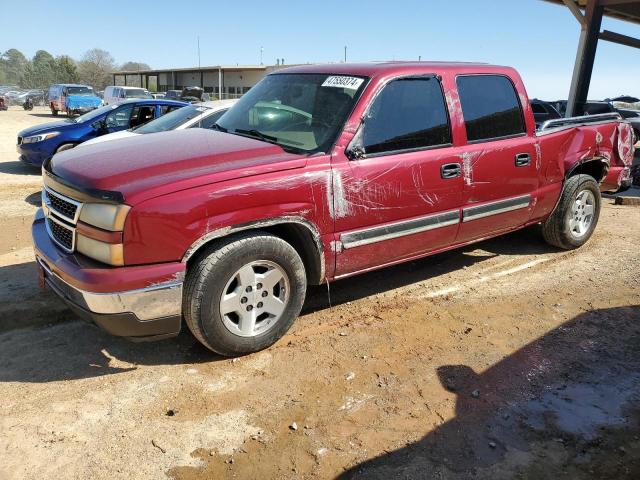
(150, 312)
(35, 153)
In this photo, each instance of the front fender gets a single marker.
(172, 227)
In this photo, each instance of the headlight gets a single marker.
(99, 232)
(104, 215)
(109, 253)
(40, 138)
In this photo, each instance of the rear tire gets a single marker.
(54, 112)
(243, 294)
(575, 217)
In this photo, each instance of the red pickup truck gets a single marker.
(316, 174)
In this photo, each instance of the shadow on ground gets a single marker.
(527, 241)
(19, 168)
(566, 406)
(67, 351)
(48, 115)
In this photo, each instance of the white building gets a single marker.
(235, 80)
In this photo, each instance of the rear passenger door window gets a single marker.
(490, 107)
(408, 114)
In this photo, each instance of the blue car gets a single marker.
(39, 143)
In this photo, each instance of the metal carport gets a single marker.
(589, 13)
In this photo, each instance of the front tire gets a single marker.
(243, 294)
(65, 146)
(575, 217)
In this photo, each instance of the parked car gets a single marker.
(158, 95)
(203, 115)
(39, 143)
(72, 99)
(194, 95)
(173, 94)
(365, 165)
(624, 99)
(543, 111)
(114, 94)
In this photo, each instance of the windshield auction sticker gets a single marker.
(352, 83)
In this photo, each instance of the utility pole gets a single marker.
(198, 51)
(261, 52)
(345, 54)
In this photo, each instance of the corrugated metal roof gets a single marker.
(213, 68)
(628, 10)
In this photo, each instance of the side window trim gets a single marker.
(357, 139)
(515, 91)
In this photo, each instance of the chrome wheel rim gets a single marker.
(254, 298)
(582, 213)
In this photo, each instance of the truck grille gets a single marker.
(62, 216)
(61, 234)
(64, 207)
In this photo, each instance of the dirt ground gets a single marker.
(507, 359)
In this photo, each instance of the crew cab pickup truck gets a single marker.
(316, 174)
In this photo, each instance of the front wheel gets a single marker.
(575, 217)
(65, 146)
(243, 294)
(54, 112)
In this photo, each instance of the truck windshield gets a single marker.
(299, 112)
(86, 91)
(172, 120)
(137, 93)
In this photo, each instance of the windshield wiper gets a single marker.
(217, 126)
(257, 134)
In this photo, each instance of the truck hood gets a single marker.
(146, 166)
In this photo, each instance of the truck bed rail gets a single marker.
(578, 121)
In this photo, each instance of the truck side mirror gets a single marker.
(98, 125)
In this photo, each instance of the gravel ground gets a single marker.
(507, 359)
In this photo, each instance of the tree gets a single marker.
(12, 66)
(134, 66)
(95, 68)
(66, 70)
(40, 72)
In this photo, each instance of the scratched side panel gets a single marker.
(185, 217)
(378, 191)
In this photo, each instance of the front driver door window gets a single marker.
(119, 118)
(400, 195)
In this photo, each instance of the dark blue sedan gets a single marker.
(39, 143)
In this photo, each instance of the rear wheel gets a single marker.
(575, 217)
(54, 112)
(243, 294)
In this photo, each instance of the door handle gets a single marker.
(523, 160)
(450, 170)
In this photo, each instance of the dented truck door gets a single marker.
(397, 186)
(500, 162)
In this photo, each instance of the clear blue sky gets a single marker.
(538, 38)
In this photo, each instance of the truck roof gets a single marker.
(374, 69)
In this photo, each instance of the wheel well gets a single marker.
(297, 235)
(594, 168)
